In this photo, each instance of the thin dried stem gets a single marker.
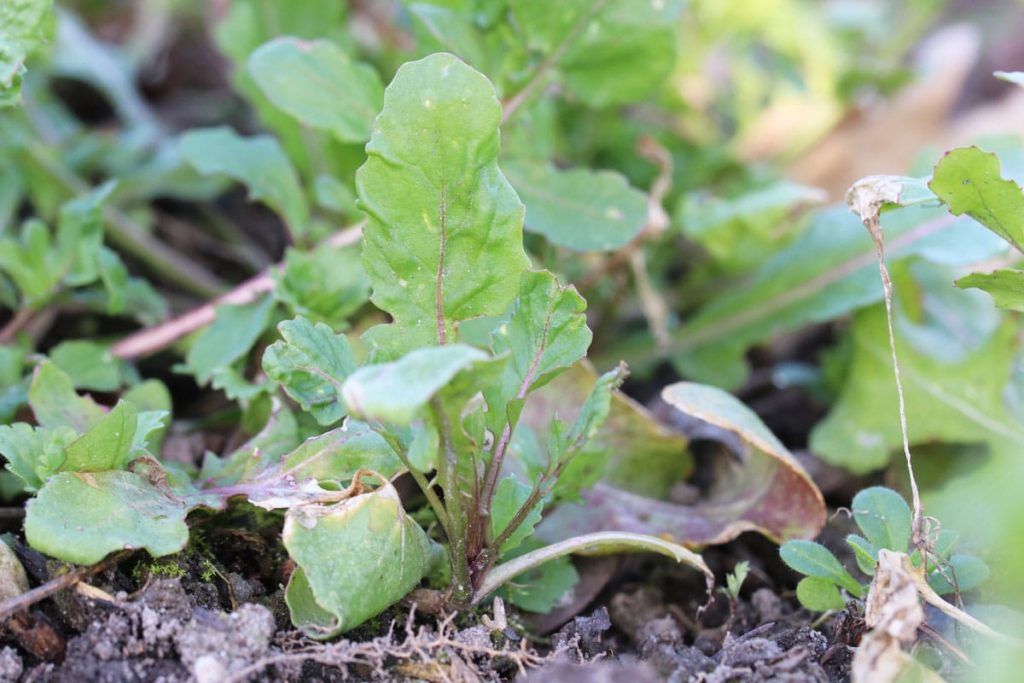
(9, 608)
(153, 339)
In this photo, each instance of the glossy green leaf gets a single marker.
(952, 402)
(107, 445)
(357, 559)
(229, 338)
(22, 31)
(1005, 286)
(319, 85)
(310, 364)
(884, 517)
(258, 162)
(444, 238)
(814, 559)
(819, 595)
(606, 52)
(325, 285)
(968, 180)
(82, 517)
(396, 392)
(581, 209)
(54, 401)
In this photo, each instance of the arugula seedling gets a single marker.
(884, 520)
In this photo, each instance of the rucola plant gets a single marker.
(474, 331)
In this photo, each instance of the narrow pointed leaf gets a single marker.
(444, 237)
(229, 338)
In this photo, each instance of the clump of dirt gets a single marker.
(162, 635)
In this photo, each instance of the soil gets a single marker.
(180, 620)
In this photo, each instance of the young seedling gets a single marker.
(885, 522)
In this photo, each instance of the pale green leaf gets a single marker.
(396, 392)
(107, 445)
(54, 401)
(258, 162)
(319, 85)
(444, 238)
(581, 209)
(444, 29)
(608, 52)
(814, 559)
(952, 402)
(310, 364)
(88, 364)
(1005, 286)
(22, 30)
(884, 517)
(968, 180)
(1016, 77)
(864, 553)
(357, 558)
(545, 333)
(966, 572)
(325, 285)
(819, 595)
(829, 271)
(543, 588)
(82, 517)
(508, 498)
(229, 338)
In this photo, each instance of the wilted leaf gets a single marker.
(766, 490)
(968, 180)
(333, 458)
(258, 162)
(230, 337)
(1006, 287)
(82, 517)
(444, 237)
(310, 365)
(357, 559)
(952, 402)
(396, 392)
(581, 209)
(320, 85)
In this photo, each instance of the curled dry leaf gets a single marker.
(893, 612)
(766, 490)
